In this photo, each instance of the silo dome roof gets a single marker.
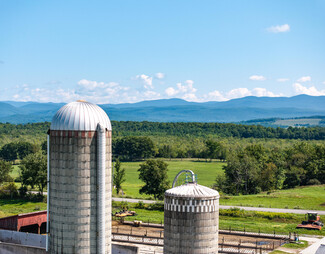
(80, 116)
(192, 190)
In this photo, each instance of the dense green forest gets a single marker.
(222, 130)
(258, 158)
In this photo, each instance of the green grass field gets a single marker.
(295, 122)
(206, 174)
(248, 222)
(18, 206)
(309, 197)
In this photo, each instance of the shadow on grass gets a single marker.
(15, 202)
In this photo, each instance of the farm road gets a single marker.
(260, 209)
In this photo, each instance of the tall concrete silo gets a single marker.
(80, 180)
(191, 219)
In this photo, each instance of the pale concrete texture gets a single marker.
(315, 247)
(22, 238)
(73, 192)
(10, 248)
(191, 221)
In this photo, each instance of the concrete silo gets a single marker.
(191, 219)
(80, 180)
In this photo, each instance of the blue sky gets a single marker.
(128, 51)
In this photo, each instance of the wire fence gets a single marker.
(257, 243)
(224, 246)
(227, 231)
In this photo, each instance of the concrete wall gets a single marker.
(191, 225)
(73, 192)
(11, 248)
(124, 249)
(13, 242)
(22, 238)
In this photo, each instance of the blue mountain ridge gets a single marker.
(178, 110)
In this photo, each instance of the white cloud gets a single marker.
(170, 91)
(147, 80)
(238, 93)
(91, 85)
(279, 29)
(159, 75)
(304, 79)
(190, 97)
(262, 92)
(214, 96)
(152, 95)
(186, 91)
(257, 78)
(323, 83)
(300, 89)
(282, 79)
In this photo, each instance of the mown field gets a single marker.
(308, 197)
(206, 173)
(236, 220)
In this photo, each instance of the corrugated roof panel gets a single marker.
(192, 190)
(80, 116)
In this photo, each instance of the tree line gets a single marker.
(254, 168)
(178, 129)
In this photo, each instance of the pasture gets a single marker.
(206, 174)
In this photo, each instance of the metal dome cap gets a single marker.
(192, 190)
(80, 116)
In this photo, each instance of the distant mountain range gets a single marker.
(177, 110)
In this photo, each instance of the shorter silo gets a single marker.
(191, 220)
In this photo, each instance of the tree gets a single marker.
(154, 174)
(119, 176)
(34, 171)
(17, 150)
(5, 169)
(213, 149)
(9, 152)
(25, 148)
(132, 148)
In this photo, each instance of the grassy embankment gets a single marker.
(309, 197)
(265, 222)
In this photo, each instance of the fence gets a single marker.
(240, 246)
(229, 231)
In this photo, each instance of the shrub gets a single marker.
(124, 205)
(140, 205)
(313, 182)
(22, 191)
(158, 206)
(9, 191)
